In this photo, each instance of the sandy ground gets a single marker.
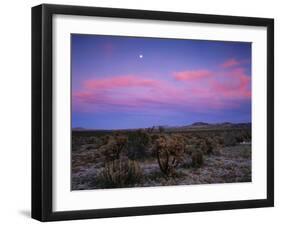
(233, 164)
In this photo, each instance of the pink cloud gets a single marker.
(236, 85)
(230, 63)
(197, 90)
(192, 74)
(119, 82)
(221, 88)
(139, 92)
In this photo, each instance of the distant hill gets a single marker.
(193, 126)
(200, 124)
(211, 126)
(78, 129)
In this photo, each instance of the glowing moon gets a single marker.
(140, 56)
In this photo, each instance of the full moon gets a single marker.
(140, 56)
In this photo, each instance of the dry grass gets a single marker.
(233, 165)
(227, 164)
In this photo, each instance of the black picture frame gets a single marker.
(42, 112)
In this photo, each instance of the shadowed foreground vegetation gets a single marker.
(145, 157)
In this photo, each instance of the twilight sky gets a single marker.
(125, 82)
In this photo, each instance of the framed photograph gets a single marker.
(146, 112)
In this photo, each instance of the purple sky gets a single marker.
(126, 82)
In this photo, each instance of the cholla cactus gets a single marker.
(138, 144)
(169, 152)
(120, 173)
(113, 147)
(121, 141)
(151, 129)
(217, 145)
(197, 158)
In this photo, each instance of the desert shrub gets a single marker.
(154, 137)
(218, 145)
(245, 151)
(120, 173)
(188, 149)
(219, 140)
(121, 141)
(151, 129)
(247, 135)
(113, 146)
(104, 140)
(244, 135)
(202, 146)
(239, 138)
(161, 129)
(192, 141)
(169, 152)
(205, 147)
(229, 139)
(138, 143)
(155, 176)
(197, 158)
(212, 145)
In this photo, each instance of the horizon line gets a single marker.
(157, 126)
